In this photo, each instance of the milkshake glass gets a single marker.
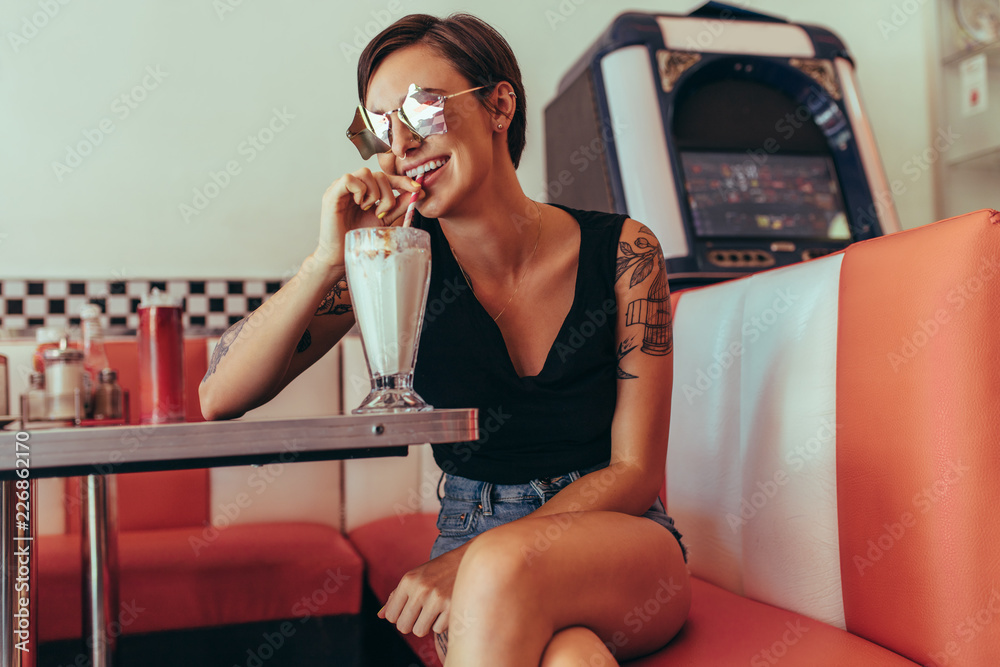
(388, 275)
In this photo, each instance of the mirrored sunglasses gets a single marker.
(422, 113)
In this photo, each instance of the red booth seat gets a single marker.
(177, 571)
(390, 548)
(295, 571)
(833, 460)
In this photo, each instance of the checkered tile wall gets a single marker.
(210, 306)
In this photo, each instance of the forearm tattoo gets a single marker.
(222, 347)
(653, 312)
(329, 305)
(304, 342)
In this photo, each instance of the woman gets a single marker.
(555, 323)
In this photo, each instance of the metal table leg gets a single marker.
(100, 568)
(18, 575)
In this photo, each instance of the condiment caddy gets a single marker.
(72, 382)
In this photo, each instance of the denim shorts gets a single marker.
(470, 507)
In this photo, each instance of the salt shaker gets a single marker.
(64, 386)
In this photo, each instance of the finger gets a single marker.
(398, 212)
(403, 183)
(393, 606)
(387, 198)
(429, 618)
(356, 187)
(409, 615)
(372, 191)
(395, 209)
(441, 624)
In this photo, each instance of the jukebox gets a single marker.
(738, 138)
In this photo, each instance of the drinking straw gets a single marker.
(413, 203)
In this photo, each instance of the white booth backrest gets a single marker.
(291, 492)
(751, 465)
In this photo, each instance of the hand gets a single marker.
(350, 203)
(422, 600)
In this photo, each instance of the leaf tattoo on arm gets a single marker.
(642, 261)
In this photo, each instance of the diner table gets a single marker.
(99, 453)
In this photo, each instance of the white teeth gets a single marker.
(425, 167)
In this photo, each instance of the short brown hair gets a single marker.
(472, 46)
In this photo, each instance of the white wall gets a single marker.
(222, 73)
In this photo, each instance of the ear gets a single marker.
(505, 103)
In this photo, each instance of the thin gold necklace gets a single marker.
(523, 273)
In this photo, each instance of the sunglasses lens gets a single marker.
(424, 112)
(361, 134)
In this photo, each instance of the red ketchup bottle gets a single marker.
(161, 359)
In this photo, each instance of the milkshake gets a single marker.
(388, 274)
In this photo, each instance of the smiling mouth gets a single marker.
(427, 167)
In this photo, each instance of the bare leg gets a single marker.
(577, 647)
(620, 576)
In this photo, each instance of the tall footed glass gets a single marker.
(388, 275)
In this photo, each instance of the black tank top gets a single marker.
(530, 427)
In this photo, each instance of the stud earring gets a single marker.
(499, 126)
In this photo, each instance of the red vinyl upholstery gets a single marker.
(183, 500)
(728, 629)
(918, 463)
(249, 573)
(390, 548)
(177, 571)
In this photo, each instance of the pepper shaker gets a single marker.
(108, 396)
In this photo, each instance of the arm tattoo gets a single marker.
(653, 311)
(329, 306)
(223, 346)
(624, 348)
(442, 641)
(304, 342)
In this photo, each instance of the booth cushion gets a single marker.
(150, 500)
(391, 547)
(727, 629)
(192, 577)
